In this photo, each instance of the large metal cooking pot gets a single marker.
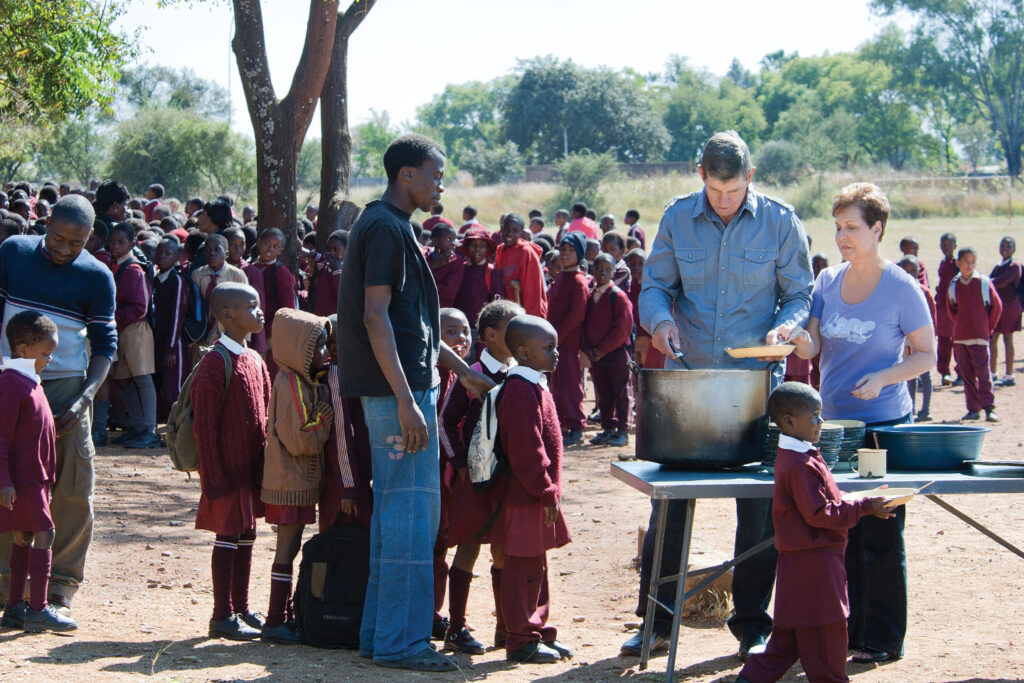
(702, 419)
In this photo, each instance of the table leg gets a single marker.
(677, 612)
(977, 525)
(652, 589)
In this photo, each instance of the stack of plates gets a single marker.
(830, 443)
(853, 438)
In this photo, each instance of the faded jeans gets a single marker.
(399, 608)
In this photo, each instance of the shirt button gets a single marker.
(723, 291)
(723, 267)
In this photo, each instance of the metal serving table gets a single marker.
(754, 481)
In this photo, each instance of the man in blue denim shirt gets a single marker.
(728, 268)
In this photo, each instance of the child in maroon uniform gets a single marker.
(171, 293)
(943, 323)
(530, 522)
(567, 306)
(231, 427)
(326, 277)
(645, 354)
(606, 331)
(910, 264)
(445, 265)
(909, 246)
(974, 320)
(347, 497)
(455, 333)
(468, 508)
(481, 283)
(298, 426)
(278, 284)
(1006, 277)
(632, 222)
(237, 247)
(28, 460)
(811, 521)
(613, 245)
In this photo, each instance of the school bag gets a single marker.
(486, 459)
(986, 292)
(179, 430)
(331, 588)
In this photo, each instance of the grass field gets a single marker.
(987, 223)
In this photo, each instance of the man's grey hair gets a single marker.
(726, 156)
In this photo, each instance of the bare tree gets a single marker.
(336, 144)
(280, 125)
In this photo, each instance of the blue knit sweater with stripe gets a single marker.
(78, 297)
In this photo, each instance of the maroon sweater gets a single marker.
(532, 438)
(480, 285)
(567, 306)
(133, 291)
(943, 323)
(230, 428)
(634, 298)
(970, 319)
(608, 323)
(28, 451)
(447, 277)
(284, 296)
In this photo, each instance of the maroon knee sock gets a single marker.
(499, 624)
(240, 573)
(280, 591)
(440, 575)
(39, 575)
(19, 573)
(222, 566)
(458, 596)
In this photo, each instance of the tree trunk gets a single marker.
(336, 144)
(280, 125)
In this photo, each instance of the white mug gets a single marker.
(869, 462)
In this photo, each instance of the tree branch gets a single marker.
(311, 71)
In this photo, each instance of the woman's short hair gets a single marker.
(868, 198)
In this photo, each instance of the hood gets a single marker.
(295, 335)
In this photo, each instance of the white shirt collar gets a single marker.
(1006, 262)
(494, 365)
(125, 258)
(791, 444)
(530, 375)
(23, 366)
(163, 275)
(975, 274)
(231, 345)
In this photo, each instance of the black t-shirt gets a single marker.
(383, 251)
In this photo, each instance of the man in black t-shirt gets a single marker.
(389, 345)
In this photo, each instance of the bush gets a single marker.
(780, 162)
(813, 198)
(581, 174)
(489, 164)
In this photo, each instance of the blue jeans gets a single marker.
(399, 608)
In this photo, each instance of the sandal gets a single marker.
(426, 659)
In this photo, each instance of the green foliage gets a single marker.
(369, 142)
(184, 152)
(490, 164)
(464, 115)
(155, 87)
(59, 58)
(75, 151)
(581, 175)
(779, 162)
(554, 103)
(307, 171)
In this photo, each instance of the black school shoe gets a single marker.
(142, 441)
(14, 615)
(572, 438)
(232, 628)
(464, 642)
(534, 653)
(440, 629)
(253, 619)
(47, 619)
(618, 439)
(603, 437)
(284, 633)
(562, 650)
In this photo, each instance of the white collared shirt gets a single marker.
(493, 365)
(599, 290)
(125, 257)
(791, 444)
(22, 366)
(231, 345)
(163, 275)
(530, 375)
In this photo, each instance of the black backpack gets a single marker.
(331, 589)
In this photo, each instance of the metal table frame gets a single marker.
(661, 483)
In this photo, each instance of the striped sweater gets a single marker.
(78, 297)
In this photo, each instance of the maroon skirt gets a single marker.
(231, 514)
(31, 509)
(290, 514)
(1009, 320)
(468, 512)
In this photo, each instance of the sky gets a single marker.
(406, 51)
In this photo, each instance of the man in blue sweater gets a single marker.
(53, 274)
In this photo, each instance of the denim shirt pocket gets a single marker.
(692, 263)
(759, 265)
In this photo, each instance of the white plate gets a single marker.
(894, 496)
(773, 351)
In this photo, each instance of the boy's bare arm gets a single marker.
(476, 383)
(382, 340)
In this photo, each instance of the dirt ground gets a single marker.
(144, 607)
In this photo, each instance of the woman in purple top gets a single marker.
(863, 312)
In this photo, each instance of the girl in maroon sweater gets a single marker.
(236, 258)
(468, 508)
(278, 284)
(231, 427)
(567, 306)
(445, 264)
(530, 522)
(1006, 278)
(606, 331)
(28, 460)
